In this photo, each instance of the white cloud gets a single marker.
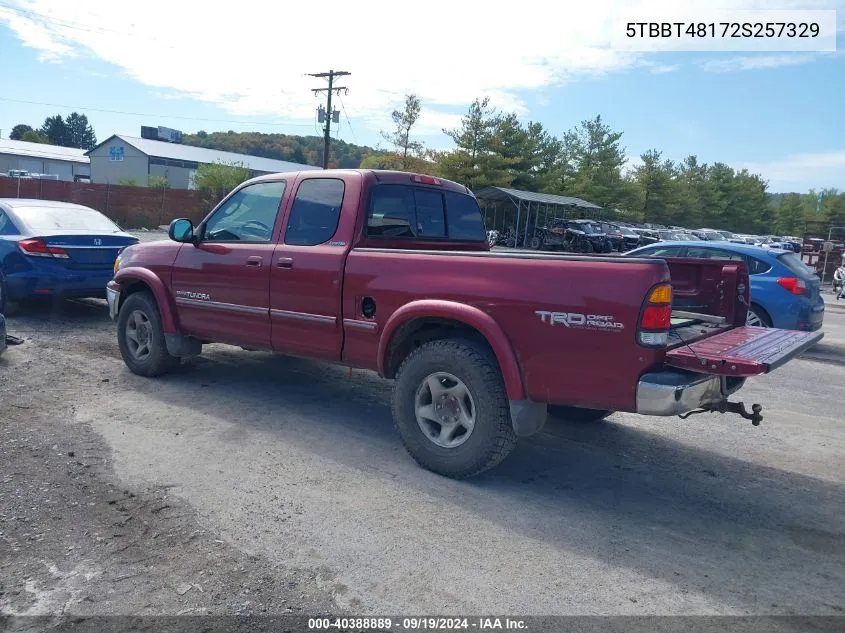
(252, 58)
(757, 62)
(803, 171)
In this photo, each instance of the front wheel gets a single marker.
(141, 338)
(451, 409)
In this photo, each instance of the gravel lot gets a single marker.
(247, 483)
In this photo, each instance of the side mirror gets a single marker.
(181, 230)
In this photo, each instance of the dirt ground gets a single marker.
(251, 484)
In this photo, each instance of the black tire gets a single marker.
(3, 296)
(577, 414)
(492, 437)
(158, 361)
(535, 243)
(760, 314)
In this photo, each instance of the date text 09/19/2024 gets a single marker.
(417, 624)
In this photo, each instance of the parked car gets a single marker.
(616, 235)
(392, 272)
(709, 235)
(647, 236)
(784, 291)
(586, 236)
(55, 249)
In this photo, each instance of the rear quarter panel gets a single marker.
(576, 365)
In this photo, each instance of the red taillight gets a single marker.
(425, 180)
(793, 284)
(38, 248)
(656, 318)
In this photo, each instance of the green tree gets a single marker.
(19, 130)
(658, 189)
(474, 162)
(404, 120)
(80, 134)
(31, 136)
(55, 130)
(218, 179)
(789, 217)
(600, 159)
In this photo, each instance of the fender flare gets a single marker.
(166, 308)
(468, 315)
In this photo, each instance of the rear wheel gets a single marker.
(451, 409)
(535, 242)
(757, 317)
(577, 414)
(141, 338)
(2, 294)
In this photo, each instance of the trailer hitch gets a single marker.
(730, 407)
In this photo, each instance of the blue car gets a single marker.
(55, 249)
(784, 291)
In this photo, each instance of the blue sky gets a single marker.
(779, 114)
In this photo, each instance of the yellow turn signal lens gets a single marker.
(116, 265)
(661, 294)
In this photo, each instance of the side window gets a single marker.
(248, 216)
(391, 212)
(6, 226)
(431, 216)
(664, 251)
(464, 218)
(756, 266)
(316, 212)
(415, 212)
(712, 253)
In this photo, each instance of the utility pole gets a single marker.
(329, 114)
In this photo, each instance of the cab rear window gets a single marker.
(423, 213)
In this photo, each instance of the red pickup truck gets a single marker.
(392, 272)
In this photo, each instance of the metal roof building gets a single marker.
(124, 158)
(517, 208)
(39, 158)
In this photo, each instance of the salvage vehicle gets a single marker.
(785, 293)
(585, 236)
(392, 272)
(55, 249)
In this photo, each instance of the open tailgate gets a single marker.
(742, 351)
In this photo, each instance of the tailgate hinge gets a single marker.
(730, 407)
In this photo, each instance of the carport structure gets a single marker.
(512, 208)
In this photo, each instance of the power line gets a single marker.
(346, 116)
(329, 113)
(147, 114)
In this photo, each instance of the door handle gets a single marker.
(255, 260)
(285, 262)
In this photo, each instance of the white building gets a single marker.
(68, 163)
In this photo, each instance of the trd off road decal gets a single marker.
(580, 321)
(187, 294)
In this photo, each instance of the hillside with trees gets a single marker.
(71, 131)
(307, 150)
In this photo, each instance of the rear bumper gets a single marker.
(69, 284)
(676, 392)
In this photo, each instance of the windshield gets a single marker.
(670, 235)
(65, 219)
(713, 236)
(624, 230)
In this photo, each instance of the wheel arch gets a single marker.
(135, 279)
(425, 320)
